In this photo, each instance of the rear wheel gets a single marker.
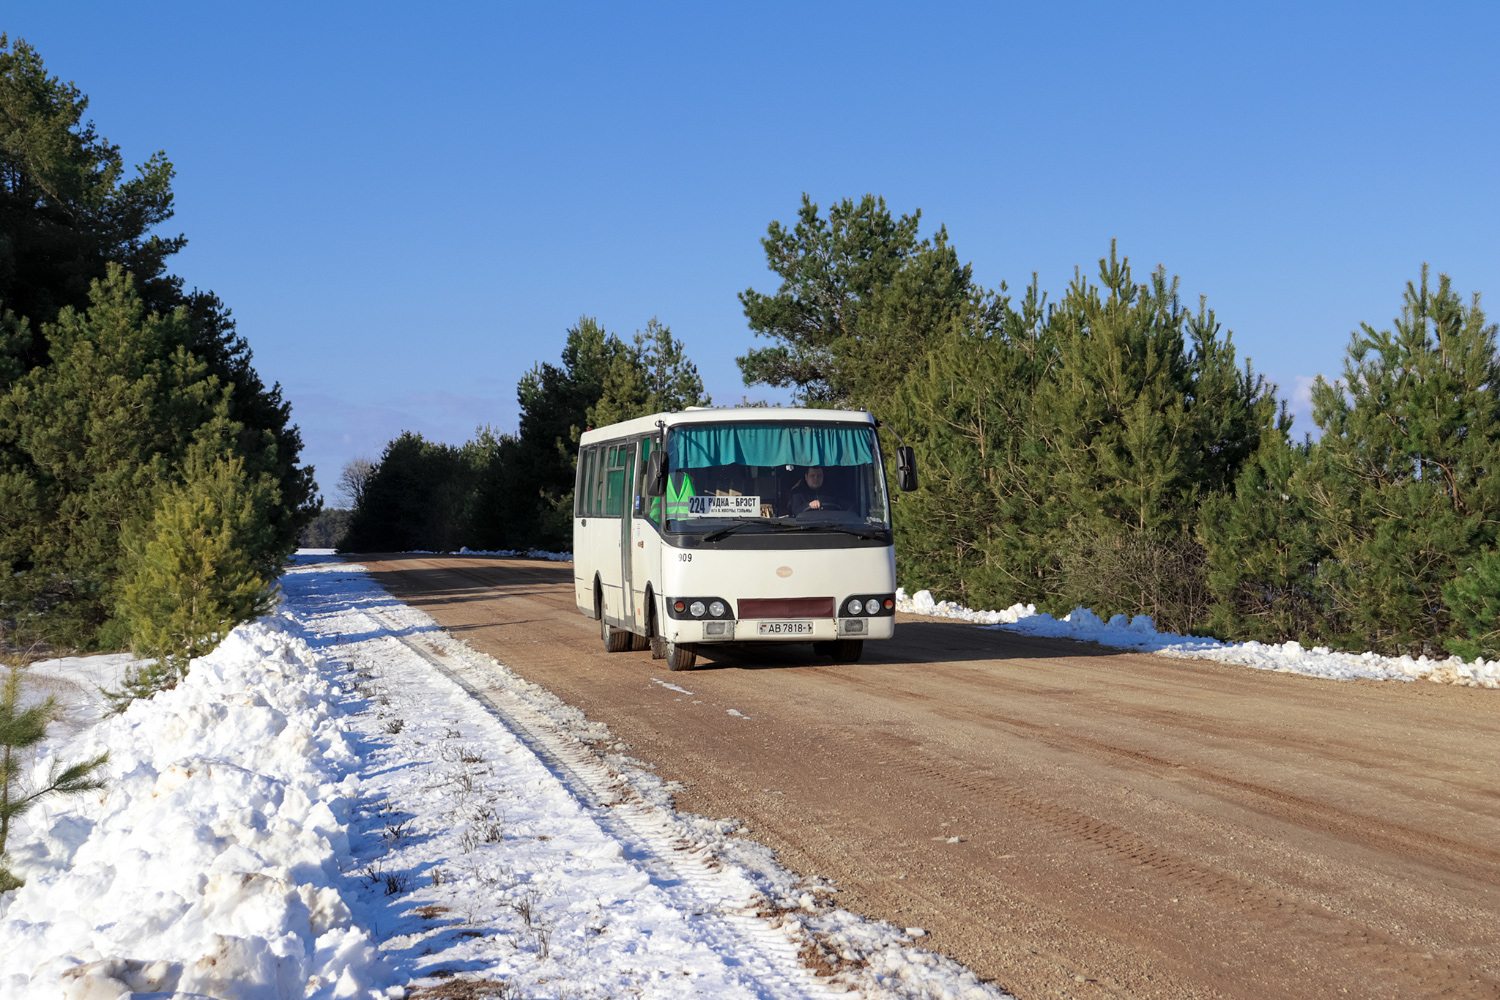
(616, 640)
(681, 655)
(848, 650)
(639, 643)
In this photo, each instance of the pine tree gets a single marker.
(860, 297)
(1473, 597)
(196, 573)
(265, 435)
(1118, 429)
(67, 208)
(1263, 550)
(91, 436)
(21, 730)
(413, 500)
(1134, 429)
(968, 409)
(73, 221)
(1406, 492)
(15, 342)
(653, 375)
(555, 400)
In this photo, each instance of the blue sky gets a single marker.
(407, 205)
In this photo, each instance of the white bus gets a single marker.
(735, 525)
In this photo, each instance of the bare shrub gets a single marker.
(525, 906)
(1140, 573)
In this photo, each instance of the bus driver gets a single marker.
(811, 494)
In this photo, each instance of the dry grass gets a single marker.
(455, 988)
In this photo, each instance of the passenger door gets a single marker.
(627, 533)
(645, 544)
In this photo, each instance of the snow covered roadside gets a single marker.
(210, 865)
(1140, 633)
(343, 800)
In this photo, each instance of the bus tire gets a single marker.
(681, 655)
(639, 643)
(616, 640)
(848, 650)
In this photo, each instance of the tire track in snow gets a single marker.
(698, 885)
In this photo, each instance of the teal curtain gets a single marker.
(698, 446)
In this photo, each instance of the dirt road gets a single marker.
(1064, 819)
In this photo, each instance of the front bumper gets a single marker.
(749, 630)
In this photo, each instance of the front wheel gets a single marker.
(681, 655)
(848, 650)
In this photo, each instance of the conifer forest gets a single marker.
(150, 482)
(1102, 446)
(1098, 445)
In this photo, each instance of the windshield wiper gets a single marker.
(867, 533)
(731, 528)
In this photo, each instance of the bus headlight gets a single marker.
(716, 609)
(872, 606)
(854, 606)
(697, 609)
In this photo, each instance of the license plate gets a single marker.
(784, 628)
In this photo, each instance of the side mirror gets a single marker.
(656, 474)
(906, 469)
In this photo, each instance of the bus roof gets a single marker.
(716, 415)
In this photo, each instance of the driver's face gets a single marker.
(815, 477)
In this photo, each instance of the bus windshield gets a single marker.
(756, 477)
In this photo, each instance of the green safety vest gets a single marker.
(677, 497)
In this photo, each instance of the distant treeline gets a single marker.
(150, 484)
(503, 491)
(1105, 449)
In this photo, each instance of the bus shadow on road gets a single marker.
(457, 583)
(915, 643)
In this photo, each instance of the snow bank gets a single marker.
(520, 846)
(210, 863)
(517, 554)
(343, 798)
(1140, 633)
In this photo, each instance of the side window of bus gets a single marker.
(614, 483)
(596, 476)
(581, 487)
